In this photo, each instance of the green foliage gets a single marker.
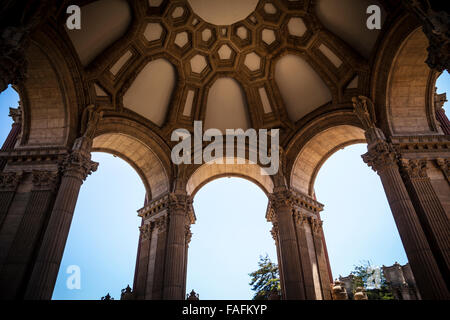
(362, 275)
(265, 279)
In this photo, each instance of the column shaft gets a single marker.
(292, 269)
(425, 269)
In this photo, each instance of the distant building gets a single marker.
(401, 281)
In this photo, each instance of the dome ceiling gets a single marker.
(231, 64)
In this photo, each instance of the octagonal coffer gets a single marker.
(154, 33)
(242, 35)
(296, 27)
(253, 61)
(198, 64)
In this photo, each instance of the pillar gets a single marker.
(289, 260)
(75, 169)
(19, 261)
(301, 222)
(165, 236)
(382, 159)
(432, 215)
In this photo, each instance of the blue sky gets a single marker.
(231, 231)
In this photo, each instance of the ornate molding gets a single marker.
(414, 169)
(45, 180)
(187, 234)
(274, 232)
(380, 156)
(162, 223)
(146, 230)
(293, 199)
(444, 164)
(78, 165)
(316, 224)
(9, 180)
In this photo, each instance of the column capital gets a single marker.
(9, 180)
(45, 180)
(187, 234)
(444, 164)
(146, 230)
(414, 168)
(380, 156)
(300, 217)
(77, 164)
(274, 232)
(316, 224)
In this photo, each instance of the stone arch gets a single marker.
(410, 89)
(212, 171)
(144, 152)
(317, 150)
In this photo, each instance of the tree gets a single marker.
(373, 280)
(266, 279)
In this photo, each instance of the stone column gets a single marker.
(19, 261)
(316, 227)
(274, 233)
(383, 159)
(142, 261)
(174, 275)
(165, 237)
(301, 219)
(429, 279)
(8, 186)
(75, 169)
(293, 285)
(432, 215)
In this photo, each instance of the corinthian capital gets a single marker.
(380, 156)
(414, 168)
(180, 201)
(281, 198)
(9, 181)
(444, 164)
(146, 230)
(316, 224)
(78, 164)
(45, 180)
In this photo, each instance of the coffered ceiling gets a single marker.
(232, 64)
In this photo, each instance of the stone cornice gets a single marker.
(421, 144)
(34, 155)
(297, 201)
(169, 202)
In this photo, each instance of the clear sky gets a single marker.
(231, 231)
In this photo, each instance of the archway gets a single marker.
(104, 234)
(356, 216)
(228, 237)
